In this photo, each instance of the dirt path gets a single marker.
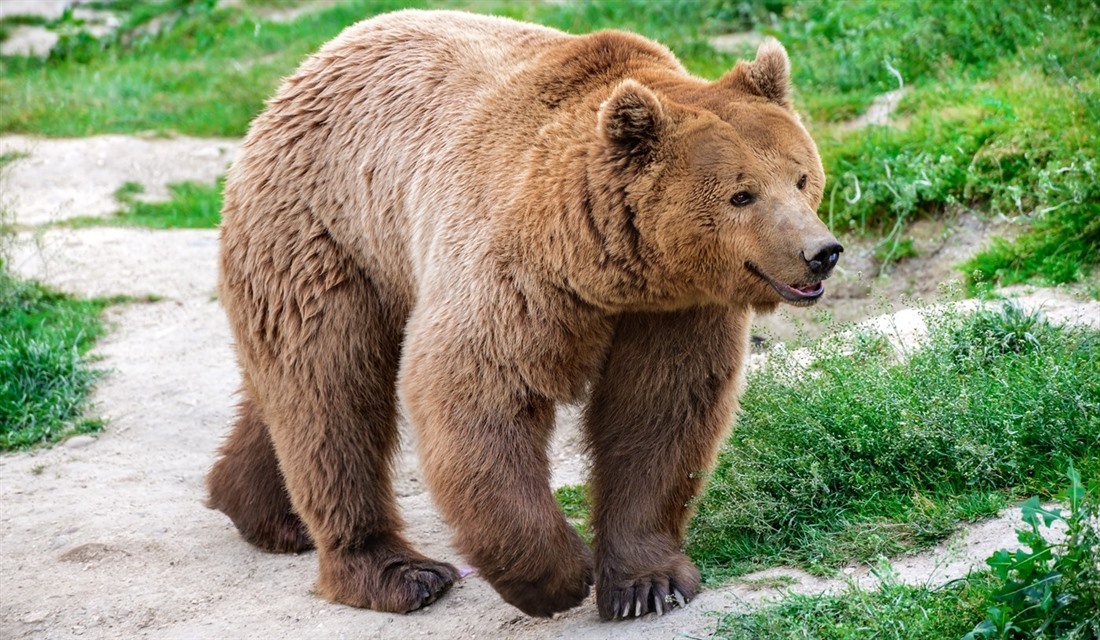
(107, 537)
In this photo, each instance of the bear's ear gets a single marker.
(631, 119)
(769, 76)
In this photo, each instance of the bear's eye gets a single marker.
(802, 182)
(742, 199)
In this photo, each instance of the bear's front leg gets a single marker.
(483, 440)
(657, 415)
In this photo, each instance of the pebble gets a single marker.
(79, 442)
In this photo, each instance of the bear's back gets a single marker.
(362, 135)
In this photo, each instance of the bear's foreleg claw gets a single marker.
(651, 594)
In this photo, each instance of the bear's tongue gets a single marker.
(809, 289)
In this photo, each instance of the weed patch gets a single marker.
(192, 206)
(9, 157)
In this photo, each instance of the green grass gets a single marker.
(573, 501)
(162, 83)
(45, 376)
(1060, 247)
(574, 504)
(996, 147)
(893, 612)
(1042, 589)
(849, 51)
(865, 456)
(1002, 113)
(159, 84)
(191, 206)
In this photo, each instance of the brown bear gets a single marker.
(476, 219)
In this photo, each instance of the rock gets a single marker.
(78, 442)
(29, 40)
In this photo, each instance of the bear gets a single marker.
(467, 221)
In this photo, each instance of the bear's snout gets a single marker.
(824, 259)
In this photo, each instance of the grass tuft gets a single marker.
(192, 206)
(44, 374)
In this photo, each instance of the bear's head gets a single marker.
(723, 185)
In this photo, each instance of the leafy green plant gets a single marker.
(1049, 589)
(573, 500)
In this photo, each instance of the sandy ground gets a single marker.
(59, 180)
(107, 537)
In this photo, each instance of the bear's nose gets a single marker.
(825, 259)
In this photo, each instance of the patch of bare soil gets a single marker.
(61, 179)
(107, 536)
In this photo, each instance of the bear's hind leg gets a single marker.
(246, 485)
(654, 424)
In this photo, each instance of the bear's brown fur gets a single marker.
(485, 218)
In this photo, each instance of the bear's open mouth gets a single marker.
(796, 293)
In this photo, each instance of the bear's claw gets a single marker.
(647, 597)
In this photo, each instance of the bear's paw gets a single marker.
(623, 594)
(384, 578)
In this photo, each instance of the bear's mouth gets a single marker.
(801, 294)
